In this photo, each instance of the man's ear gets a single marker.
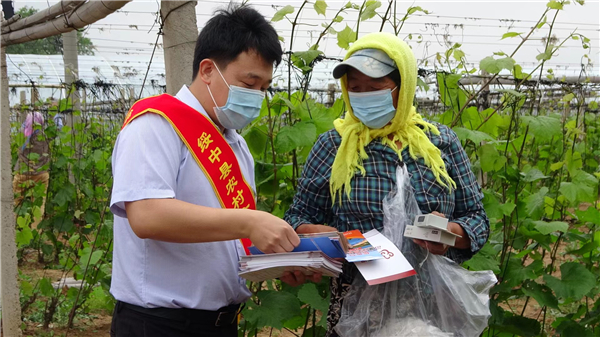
(206, 71)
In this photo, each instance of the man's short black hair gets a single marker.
(233, 31)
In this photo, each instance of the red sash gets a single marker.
(208, 147)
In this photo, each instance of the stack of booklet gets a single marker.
(317, 253)
(375, 256)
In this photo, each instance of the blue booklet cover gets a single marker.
(327, 245)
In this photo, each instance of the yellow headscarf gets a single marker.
(405, 126)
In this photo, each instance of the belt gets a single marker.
(223, 317)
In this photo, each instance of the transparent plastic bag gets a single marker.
(442, 300)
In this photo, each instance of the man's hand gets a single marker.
(271, 234)
(298, 278)
(439, 248)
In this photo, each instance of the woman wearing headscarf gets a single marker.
(32, 162)
(352, 168)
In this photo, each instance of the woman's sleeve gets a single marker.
(312, 202)
(468, 209)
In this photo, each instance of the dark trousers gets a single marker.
(133, 321)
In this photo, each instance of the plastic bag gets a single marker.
(442, 300)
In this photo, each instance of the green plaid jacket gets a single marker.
(312, 203)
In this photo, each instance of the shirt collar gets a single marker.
(186, 96)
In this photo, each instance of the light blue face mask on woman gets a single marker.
(373, 108)
(242, 106)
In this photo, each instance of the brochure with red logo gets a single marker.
(393, 266)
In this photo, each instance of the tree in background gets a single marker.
(48, 46)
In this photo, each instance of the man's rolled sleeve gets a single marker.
(145, 162)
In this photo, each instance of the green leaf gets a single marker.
(297, 321)
(345, 37)
(543, 127)
(583, 178)
(534, 204)
(37, 212)
(570, 328)
(458, 54)
(24, 237)
(551, 227)
(574, 161)
(576, 281)
(516, 273)
(275, 308)
(475, 136)
(591, 214)
(338, 18)
(556, 166)
(292, 137)
(544, 56)
(63, 223)
(314, 331)
(568, 97)
(509, 34)
(485, 259)
(569, 190)
(542, 23)
(64, 195)
(289, 9)
(256, 138)
(493, 66)
(310, 295)
(533, 175)
(93, 258)
(305, 58)
(541, 293)
(507, 208)
(489, 158)
(320, 7)
(414, 9)
(422, 84)
(555, 5)
(450, 92)
(520, 326)
(491, 204)
(488, 64)
(518, 72)
(507, 63)
(582, 188)
(26, 288)
(585, 249)
(23, 222)
(369, 10)
(45, 287)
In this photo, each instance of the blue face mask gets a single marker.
(242, 106)
(374, 108)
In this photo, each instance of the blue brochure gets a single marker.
(329, 246)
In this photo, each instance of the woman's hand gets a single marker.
(297, 278)
(439, 248)
(310, 228)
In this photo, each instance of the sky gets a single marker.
(130, 33)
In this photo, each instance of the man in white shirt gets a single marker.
(176, 247)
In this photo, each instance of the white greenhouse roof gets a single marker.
(49, 69)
